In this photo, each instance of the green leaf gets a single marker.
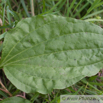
(14, 100)
(2, 35)
(49, 52)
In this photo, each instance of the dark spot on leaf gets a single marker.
(74, 59)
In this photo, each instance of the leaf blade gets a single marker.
(14, 99)
(51, 52)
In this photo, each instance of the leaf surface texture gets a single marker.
(49, 52)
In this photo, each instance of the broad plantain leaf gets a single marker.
(14, 100)
(49, 52)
